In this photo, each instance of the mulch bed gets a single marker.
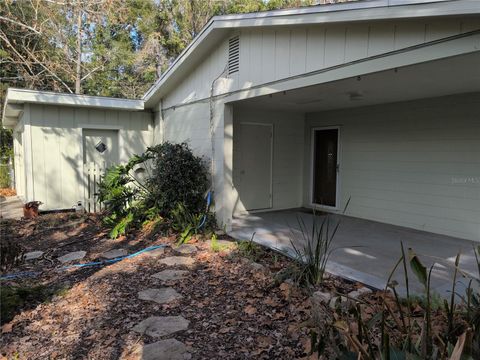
(236, 309)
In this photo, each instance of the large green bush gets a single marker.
(178, 176)
(176, 179)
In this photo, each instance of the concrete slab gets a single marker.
(177, 261)
(114, 253)
(170, 275)
(32, 255)
(11, 207)
(365, 251)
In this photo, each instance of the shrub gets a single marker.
(178, 176)
(174, 190)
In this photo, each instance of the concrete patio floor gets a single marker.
(366, 251)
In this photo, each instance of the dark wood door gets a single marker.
(325, 167)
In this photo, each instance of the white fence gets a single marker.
(93, 173)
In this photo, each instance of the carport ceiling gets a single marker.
(455, 75)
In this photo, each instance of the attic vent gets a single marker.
(233, 55)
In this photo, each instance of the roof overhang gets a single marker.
(374, 10)
(16, 98)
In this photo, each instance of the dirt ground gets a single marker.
(237, 309)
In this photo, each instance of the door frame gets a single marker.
(270, 205)
(312, 168)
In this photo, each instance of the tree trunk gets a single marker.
(78, 77)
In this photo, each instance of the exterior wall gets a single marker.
(288, 144)
(57, 154)
(19, 160)
(276, 53)
(414, 164)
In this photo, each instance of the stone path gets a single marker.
(32, 255)
(75, 255)
(160, 296)
(185, 249)
(169, 275)
(112, 254)
(169, 349)
(159, 326)
(177, 261)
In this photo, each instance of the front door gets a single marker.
(325, 160)
(255, 166)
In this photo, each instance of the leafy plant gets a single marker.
(178, 176)
(314, 255)
(185, 222)
(123, 196)
(250, 249)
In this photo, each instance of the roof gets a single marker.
(219, 26)
(16, 98)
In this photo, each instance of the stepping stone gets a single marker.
(154, 253)
(115, 253)
(168, 275)
(185, 249)
(32, 255)
(157, 326)
(177, 261)
(160, 296)
(76, 255)
(169, 349)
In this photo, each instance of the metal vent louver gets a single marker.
(233, 55)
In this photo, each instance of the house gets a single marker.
(372, 103)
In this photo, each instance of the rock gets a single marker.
(185, 249)
(219, 232)
(168, 349)
(359, 292)
(154, 253)
(115, 253)
(341, 301)
(177, 261)
(321, 297)
(168, 275)
(157, 326)
(32, 255)
(257, 266)
(76, 255)
(160, 296)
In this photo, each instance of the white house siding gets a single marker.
(19, 160)
(271, 54)
(288, 145)
(56, 141)
(268, 55)
(414, 164)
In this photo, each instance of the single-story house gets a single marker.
(371, 103)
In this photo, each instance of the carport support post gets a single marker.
(227, 196)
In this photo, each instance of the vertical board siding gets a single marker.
(413, 164)
(288, 134)
(271, 54)
(57, 154)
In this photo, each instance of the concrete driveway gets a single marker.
(366, 251)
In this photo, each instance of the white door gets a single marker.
(100, 147)
(255, 167)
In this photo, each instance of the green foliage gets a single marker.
(250, 249)
(123, 196)
(174, 189)
(14, 298)
(314, 255)
(404, 328)
(178, 176)
(5, 180)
